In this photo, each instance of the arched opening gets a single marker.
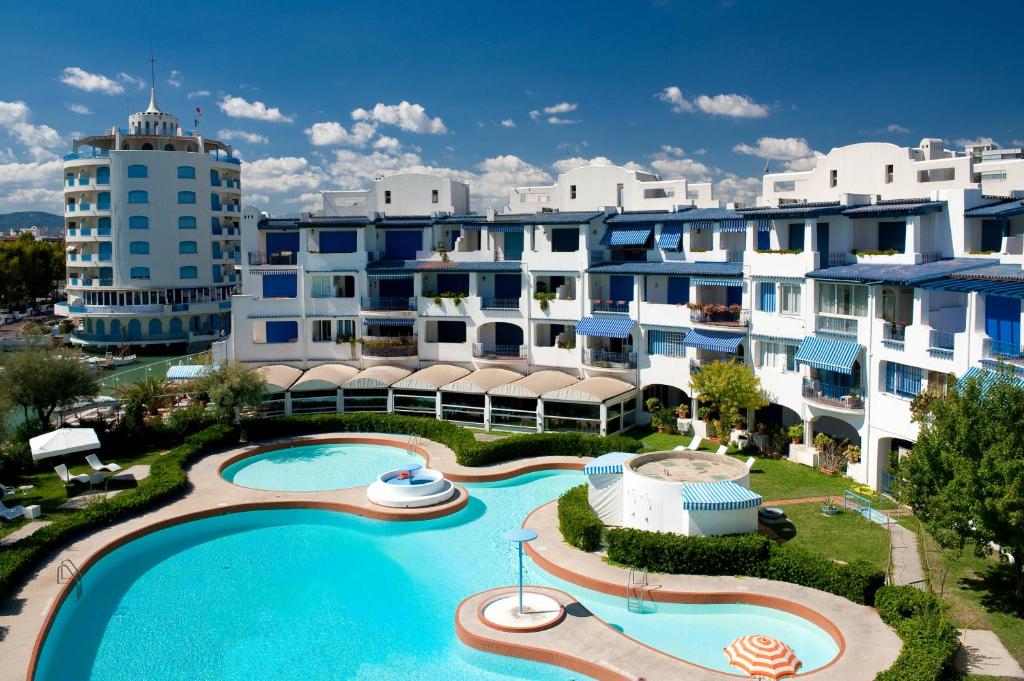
(500, 338)
(776, 414)
(156, 327)
(176, 326)
(168, 147)
(668, 395)
(147, 147)
(836, 428)
(134, 330)
(115, 329)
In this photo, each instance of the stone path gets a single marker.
(982, 653)
(906, 560)
(25, 531)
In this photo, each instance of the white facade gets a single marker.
(152, 230)
(401, 194)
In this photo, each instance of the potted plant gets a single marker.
(830, 508)
(760, 428)
(683, 411)
(796, 433)
(853, 454)
(703, 413)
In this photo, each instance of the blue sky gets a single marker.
(317, 97)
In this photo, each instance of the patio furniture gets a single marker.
(750, 462)
(12, 512)
(722, 449)
(63, 441)
(94, 462)
(34, 511)
(23, 490)
(6, 491)
(69, 478)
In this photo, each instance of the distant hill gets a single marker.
(48, 223)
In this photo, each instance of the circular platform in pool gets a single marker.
(316, 467)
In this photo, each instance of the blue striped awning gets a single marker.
(1003, 209)
(716, 341)
(724, 495)
(989, 287)
(827, 354)
(605, 327)
(764, 225)
(670, 236)
(388, 321)
(607, 463)
(700, 224)
(506, 228)
(389, 275)
(989, 377)
(715, 281)
(187, 372)
(626, 236)
(282, 315)
(734, 225)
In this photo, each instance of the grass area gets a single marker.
(845, 537)
(48, 490)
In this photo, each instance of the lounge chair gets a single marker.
(94, 462)
(6, 491)
(722, 449)
(11, 513)
(750, 463)
(69, 478)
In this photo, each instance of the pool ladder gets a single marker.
(67, 571)
(637, 587)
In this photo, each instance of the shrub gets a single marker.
(544, 444)
(578, 523)
(929, 639)
(857, 581)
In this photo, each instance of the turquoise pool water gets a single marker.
(307, 594)
(309, 468)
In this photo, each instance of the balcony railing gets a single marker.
(719, 315)
(1004, 350)
(837, 258)
(389, 346)
(894, 334)
(604, 359)
(388, 304)
(620, 306)
(499, 303)
(842, 396)
(277, 258)
(941, 340)
(497, 351)
(841, 326)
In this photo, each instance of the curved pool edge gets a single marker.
(864, 641)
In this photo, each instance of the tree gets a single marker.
(139, 399)
(964, 476)
(231, 388)
(729, 387)
(39, 381)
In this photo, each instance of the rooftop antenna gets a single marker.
(153, 107)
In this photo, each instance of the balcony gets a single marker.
(500, 352)
(616, 306)
(389, 346)
(838, 326)
(606, 359)
(829, 395)
(278, 258)
(836, 258)
(390, 304)
(1003, 350)
(500, 303)
(719, 315)
(894, 335)
(941, 342)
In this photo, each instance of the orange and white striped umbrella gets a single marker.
(763, 656)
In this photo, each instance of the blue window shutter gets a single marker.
(767, 296)
(734, 295)
(282, 332)
(507, 285)
(678, 290)
(280, 285)
(1002, 322)
(796, 236)
(402, 244)
(278, 242)
(513, 245)
(620, 287)
(890, 377)
(764, 240)
(656, 342)
(338, 242)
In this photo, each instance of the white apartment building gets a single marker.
(848, 289)
(152, 230)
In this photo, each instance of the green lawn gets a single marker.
(846, 537)
(48, 490)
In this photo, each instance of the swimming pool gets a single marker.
(310, 594)
(310, 468)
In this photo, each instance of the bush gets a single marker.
(857, 581)
(578, 523)
(929, 639)
(544, 444)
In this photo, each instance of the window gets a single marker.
(138, 171)
(451, 332)
(138, 222)
(659, 193)
(892, 236)
(138, 196)
(572, 191)
(565, 240)
(280, 285)
(843, 299)
(993, 176)
(186, 197)
(667, 343)
(936, 175)
(139, 273)
(186, 173)
(337, 286)
(789, 302)
(888, 173)
(337, 242)
(346, 329)
(902, 380)
(766, 301)
(833, 178)
(138, 248)
(791, 364)
(796, 236)
(387, 196)
(282, 332)
(188, 247)
(188, 272)
(434, 198)
(186, 222)
(322, 331)
(784, 186)
(768, 354)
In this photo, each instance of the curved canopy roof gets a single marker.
(594, 390)
(536, 384)
(325, 377)
(482, 380)
(279, 377)
(432, 378)
(376, 377)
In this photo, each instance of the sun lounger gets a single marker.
(750, 462)
(11, 513)
(69, 478)
(6, 491)
(97, 465)
(722, 449)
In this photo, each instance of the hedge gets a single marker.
(578, 523)
(750, 555)
(545, 444)
(929, 639)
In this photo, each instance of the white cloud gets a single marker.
(38, 140)
(406, 116)
(241, 136)
(777, 148)
(387, 143)
(564, 165)
(670, 168)
(737, 189)
(332, 132)
(80, 109)
(134, 81)
(669, 150)
(277, 175)
(238, 107)
(1017, 143)
(734, 106)
(198, 93)
(556, 120)
(674, 96)
(174, 79)
(799, 164)
(535, 115)
(508, 123)
(977, 141)
(90, 82)
(896, 128)
(561, 107)
(28, 186)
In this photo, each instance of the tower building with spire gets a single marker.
(151, 217)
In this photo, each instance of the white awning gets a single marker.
(376, 378)
(431, 378)
(63, 441)
(324, 377)
(591, 390)
(482, 380)
(279, 377)
(536, 384)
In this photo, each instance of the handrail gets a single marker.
(67, 571)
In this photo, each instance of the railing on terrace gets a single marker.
(836, 258)
(278, 258)
(941, 340)
(388, 346)
(830, 394)
(388, 304)
(894, 333)
(605, 359)
(496, 351)
(499, 303)
(842, 326)
(1004, 350)
(719, 316)
(620, 306)
(95, 153)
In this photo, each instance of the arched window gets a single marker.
(147, 146)
(175, 326)
(186, 173)
(134, 329)
(214, 177)
(101, 328)
(186, 197)
(138, 247)
(103, 201)
(186, 222)
(187, 247)
(188, 272)
(140, 273)
(103, 175)
(138, 196)
(156, 327)
(138, 171)
(168, 147)
(138, 222)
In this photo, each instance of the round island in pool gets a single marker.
(410, 486)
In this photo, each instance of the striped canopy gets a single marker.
(389, 275)
(607, 463)
(763, 657)
(388, 321)
(626, 236)
(724, 495)
(670, 236)
(734, 225)
(716, 281)
(605, 327)
(505, 228)
(827, 354)
(989, 377)
(715, 341)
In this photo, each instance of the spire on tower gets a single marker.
(153, 106)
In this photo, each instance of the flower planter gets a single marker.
(831, 510)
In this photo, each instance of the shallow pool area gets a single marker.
(316, 467)
(313, 594)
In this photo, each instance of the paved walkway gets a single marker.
(25, 531)
(906, 560)
(982, 653)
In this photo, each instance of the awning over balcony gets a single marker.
(605, 327)
(995, 280)
(608, 464)
(626, 236)
(370, 274)
(670, 236)
(493, 228)
(1003, 209)
(714, 281)
(828, 354)
(388, 321)
(715, 341)
(989, 377)
(724, 495)
(896, 208)
(591, 390)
